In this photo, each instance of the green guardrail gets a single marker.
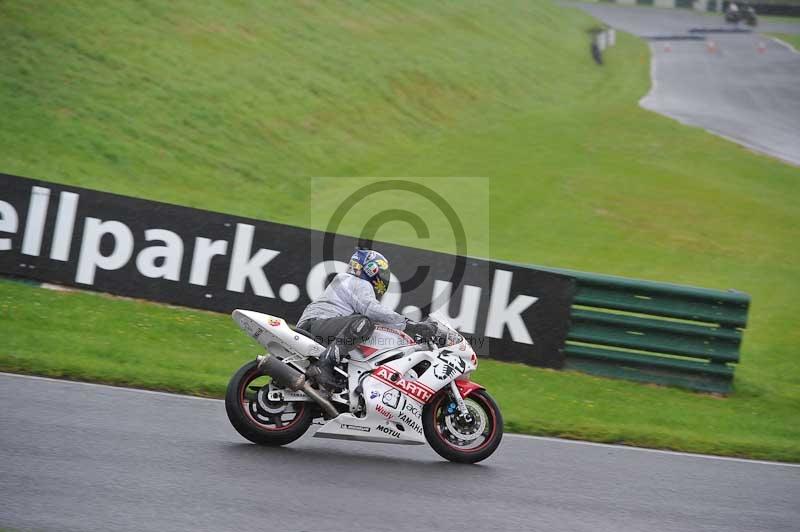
(655, 332)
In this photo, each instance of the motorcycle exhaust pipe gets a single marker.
(328, 409)
(294, 380)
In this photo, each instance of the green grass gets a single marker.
(235, 106)
(794, 40)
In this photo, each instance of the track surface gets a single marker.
(746, 89)
(87, 457)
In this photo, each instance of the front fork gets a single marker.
(462, 406)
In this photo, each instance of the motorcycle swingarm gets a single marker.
(281, 394)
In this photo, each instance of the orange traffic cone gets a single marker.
(711, 46)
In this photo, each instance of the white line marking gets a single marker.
(653, 82)
(527, 436)
(96, 385)
(658, 451)
(785, 44)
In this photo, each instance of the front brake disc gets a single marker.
(469, 431)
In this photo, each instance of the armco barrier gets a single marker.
(655, 332)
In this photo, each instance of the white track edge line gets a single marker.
(658, 451)
(785, 44)
(653, 82)
(113, 387)
(527, 436)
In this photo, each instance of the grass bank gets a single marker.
(236, 108)
(793, 39)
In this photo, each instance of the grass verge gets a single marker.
(793, 39)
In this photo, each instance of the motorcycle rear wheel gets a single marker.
(260, 422)
(454, 437)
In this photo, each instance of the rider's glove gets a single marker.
(420, 330)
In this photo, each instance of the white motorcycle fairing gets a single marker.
(390, 377)
(276, 335)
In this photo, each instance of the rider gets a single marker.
(347, 312)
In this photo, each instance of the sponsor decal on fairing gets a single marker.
(389, 431)
(416, 390)
(391, 398)
(355, 427)
(411, 423)
(382, 410)
(449, 366)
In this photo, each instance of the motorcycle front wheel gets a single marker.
(257, 418)
(461, 438)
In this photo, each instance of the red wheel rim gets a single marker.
(486, 407)
(247, 404)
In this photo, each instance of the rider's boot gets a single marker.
(324, 372)
(357, 329)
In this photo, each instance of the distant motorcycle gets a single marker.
(747, 14)
(398, 390)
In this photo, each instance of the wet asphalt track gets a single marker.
(747, 89)
(84, 457)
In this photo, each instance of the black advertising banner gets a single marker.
(207, 260)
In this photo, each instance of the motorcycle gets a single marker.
(747, 14)
(399, 390)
